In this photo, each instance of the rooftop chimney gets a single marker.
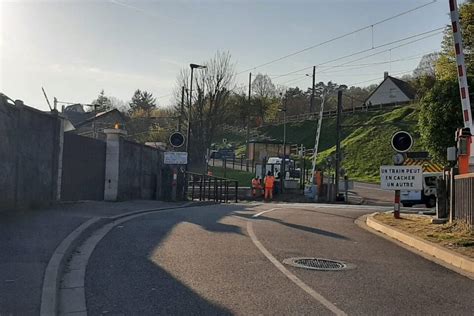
(385, 75)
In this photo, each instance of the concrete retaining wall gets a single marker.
(139, 171)
(40, 164)
(29, 156)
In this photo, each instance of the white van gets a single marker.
(426, 196)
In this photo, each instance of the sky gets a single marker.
(74, 49)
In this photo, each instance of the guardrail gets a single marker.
(464, 198)
(209, 188)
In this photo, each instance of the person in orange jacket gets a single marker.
(269, 183)
(256, 186)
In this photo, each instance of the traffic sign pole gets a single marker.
(396, 208)
(401, 143)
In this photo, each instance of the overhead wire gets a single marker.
(376, 47)
(338, 37)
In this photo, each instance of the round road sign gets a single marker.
(176, 139)
(402, 141)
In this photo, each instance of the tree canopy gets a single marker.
(446, 64)
(439, 117)
(102, 103)
(143, 101)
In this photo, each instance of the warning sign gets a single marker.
(401, 177)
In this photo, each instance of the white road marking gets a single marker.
(321, 299)
(263, 212)
(301, 206)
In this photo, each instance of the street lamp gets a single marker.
(193, 66)
(283, 165)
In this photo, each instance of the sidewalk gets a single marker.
(29, 238)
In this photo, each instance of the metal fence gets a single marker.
(330, 113)
(236, 163)
(464, 198)
(209, 188)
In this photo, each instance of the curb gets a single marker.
(56, 264)
(446, 256)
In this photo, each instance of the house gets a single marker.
(92, 124)
(390, 92)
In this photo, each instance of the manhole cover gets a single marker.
(317, 264)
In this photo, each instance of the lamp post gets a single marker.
(188, 138)
(283, 164)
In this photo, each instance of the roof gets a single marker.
(98, 115)
(77, 117)
(75, 114)
(406, 88)
(402, 85)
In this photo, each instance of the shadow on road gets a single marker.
(128, 281)
(308, 229)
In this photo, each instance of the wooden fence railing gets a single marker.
(464, 198)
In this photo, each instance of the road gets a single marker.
(227, 259)
(372, 194)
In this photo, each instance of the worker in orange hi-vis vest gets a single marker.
(269, 183)
(256, 186)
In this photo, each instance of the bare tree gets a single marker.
(209, 106)
(427, 65)
(264, 95)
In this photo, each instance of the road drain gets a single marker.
(317, 264)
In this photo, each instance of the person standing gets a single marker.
(269, 183)
(256, 186)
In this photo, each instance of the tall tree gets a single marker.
(264, 95)
(446, 64)
(439, 117)
(102, 103)
(142, 101)
(296, 101)
(427, 65)
(212, 88)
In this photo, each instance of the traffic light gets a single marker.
(402, 141)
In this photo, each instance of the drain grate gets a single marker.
(317, 264)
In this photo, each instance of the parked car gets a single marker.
(426, 196)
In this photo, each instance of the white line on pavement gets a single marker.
(321, 299)
(263, 212)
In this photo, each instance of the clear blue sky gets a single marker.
(76, 48)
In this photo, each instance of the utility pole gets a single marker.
(248, 122)
(338, 139)
(181, 109)
(311, 105)
(318, 133)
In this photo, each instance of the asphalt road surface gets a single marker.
(223, 259)
(372, 194)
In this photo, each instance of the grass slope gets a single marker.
(367, 148)
(305, 131)
(244, 178)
